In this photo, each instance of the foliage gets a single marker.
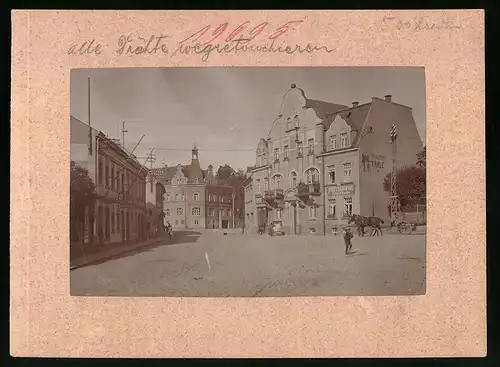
(225, 172)
(422, 158)
(82, 193)
(410, 185)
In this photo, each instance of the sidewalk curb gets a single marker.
(107, 257)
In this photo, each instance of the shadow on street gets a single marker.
(179, 237)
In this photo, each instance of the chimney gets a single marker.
(388, 98)
(355, 104)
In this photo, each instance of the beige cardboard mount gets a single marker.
(450, 320)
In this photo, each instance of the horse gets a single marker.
(360, 223)
(375, 223)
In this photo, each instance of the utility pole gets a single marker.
(394, 195)
(90, 128)
(233, 197)
(123, 134)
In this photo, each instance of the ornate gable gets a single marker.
(179, 176)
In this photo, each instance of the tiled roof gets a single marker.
(322, 109)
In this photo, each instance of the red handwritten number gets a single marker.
(216, 33)
(256, 31)
(236, 31)
(283, 29)
(200, 33)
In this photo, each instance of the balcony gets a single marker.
(312, 189)
(275, 194)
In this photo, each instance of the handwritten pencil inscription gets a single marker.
(419, 24)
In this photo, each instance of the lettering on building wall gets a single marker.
(340, 190)
(372, 160)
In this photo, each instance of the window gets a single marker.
(180, 211)
(176, 197)
(196, 211)
(266, 184)
(310, 146)
(300, 149)
(196, 180)
(222, 198)
(344, 140)
(258, 185)
(285, 151)
(118, 224)
(312, 212)
(176, 222)
(276, 154)
(221, 212)
(211, 212)
(167, 196)
(113, 178)
(167, 212)
(196, 196)
(112, 222)
(331, 174)
(348, 206)
(229, 212)
(196, 222)
(101, 173)
(182, 197)
(182, 221)
(331, 208)
(106, 175)
(347, 172)
(123, 181)
(279, 212)
(312, 175)
(293, 180)
(333, 142)
(276, 181)
(289, 123)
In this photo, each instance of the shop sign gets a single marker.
(340, 190)
(372, 160)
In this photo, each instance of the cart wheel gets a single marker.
(404, 228)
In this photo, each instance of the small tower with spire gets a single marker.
(194, 152)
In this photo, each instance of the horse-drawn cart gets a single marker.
(404, 223)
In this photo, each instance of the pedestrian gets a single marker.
(347, 239)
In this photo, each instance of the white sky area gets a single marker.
(224, 110)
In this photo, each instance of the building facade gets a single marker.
(194, 198)
(322, 162)
(119, 213)
(155, 192)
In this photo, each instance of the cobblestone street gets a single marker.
(211, 264)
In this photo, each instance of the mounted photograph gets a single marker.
(247, 181)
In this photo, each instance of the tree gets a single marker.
(422, 158)
(82, 196)
(410, 185)
(226, 174)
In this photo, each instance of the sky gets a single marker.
(224, 110)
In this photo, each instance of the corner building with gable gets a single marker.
(322, 162)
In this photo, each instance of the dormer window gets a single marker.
(289, 123)
(296, 120)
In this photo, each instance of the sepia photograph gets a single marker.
(247, 181)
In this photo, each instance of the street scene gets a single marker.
(247, 182)
(207, 263)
